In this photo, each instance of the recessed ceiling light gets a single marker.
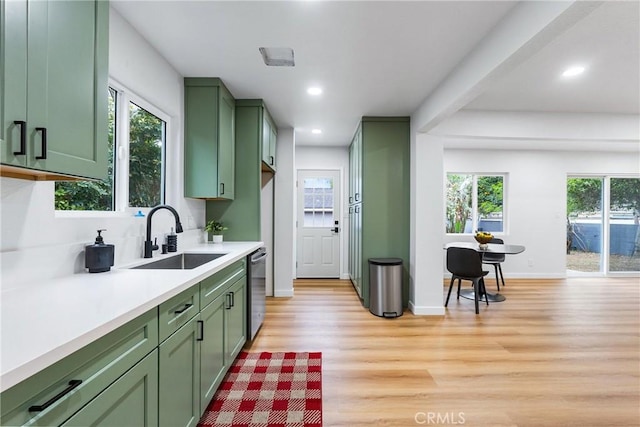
(573, 71)
(316, 131)
(277, 56)
(314, 91)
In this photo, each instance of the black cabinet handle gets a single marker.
(228, 297)
(43, 155)
(357, 197)
(357, 209)
(233, 299)
(200, 330)
(72, 384)
(271, 160)
(350, 199)
(23, 137)
(183, 309)
(221, 188)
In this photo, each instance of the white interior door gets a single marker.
(318, 226)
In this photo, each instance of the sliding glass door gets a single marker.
(584, 224)
(624, 231)
(603, 231)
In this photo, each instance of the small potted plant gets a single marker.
(215, 228)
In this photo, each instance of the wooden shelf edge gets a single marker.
(33, 175)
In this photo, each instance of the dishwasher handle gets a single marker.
(258, 257)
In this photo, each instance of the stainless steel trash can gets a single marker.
(385, 287)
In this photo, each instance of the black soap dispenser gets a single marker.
(98, 257)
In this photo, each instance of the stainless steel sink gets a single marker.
(179, 262)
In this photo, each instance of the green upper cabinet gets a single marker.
(209, 141)
(269, 136)
(53, 75)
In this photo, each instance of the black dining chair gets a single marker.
(466, 264)
(496, 260)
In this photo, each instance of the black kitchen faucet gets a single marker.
(150, 246)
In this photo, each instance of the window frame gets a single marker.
(121, 208)
(474, 201)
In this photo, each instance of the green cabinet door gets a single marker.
(130, 401)
(65, 125)
(209, 142)
(226, 148)
(212, 362)
(179, 382)
(13, 75)
(269, 135)
(273, 136)
(236, 319)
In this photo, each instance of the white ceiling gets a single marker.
(384, 58)
(606, 43)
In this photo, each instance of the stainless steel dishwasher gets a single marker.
(257, 263)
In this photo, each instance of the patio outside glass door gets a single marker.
(603, 231)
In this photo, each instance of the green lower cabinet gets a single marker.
(212, 361)
(130, 401)
(179, 367)
(94, 369)
(236, 323)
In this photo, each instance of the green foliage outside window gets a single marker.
(490, 195)
(458, 202)
(584, 195)
(489, 199)
(146, 134)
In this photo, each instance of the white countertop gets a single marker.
(42, 323)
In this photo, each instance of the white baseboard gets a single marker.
(344, 276)
(283, 293)
(426, 310)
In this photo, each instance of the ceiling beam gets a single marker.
(526, 29)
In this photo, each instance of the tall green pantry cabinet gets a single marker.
(379, 184)
(255, 135)
(53, 88)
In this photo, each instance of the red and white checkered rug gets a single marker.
(269, 390)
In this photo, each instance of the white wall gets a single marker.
(266, 227)
(535, 198)
(331, 158)
(427, 201)
(38, 243)
(284, 211)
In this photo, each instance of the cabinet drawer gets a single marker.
(96, 366)
(130, 401)
(214, 285)
(177, 311)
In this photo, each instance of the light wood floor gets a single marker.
(555, 353)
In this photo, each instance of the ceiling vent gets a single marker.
(277, 56)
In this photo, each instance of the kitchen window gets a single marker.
(474, 202)
(136, 140)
